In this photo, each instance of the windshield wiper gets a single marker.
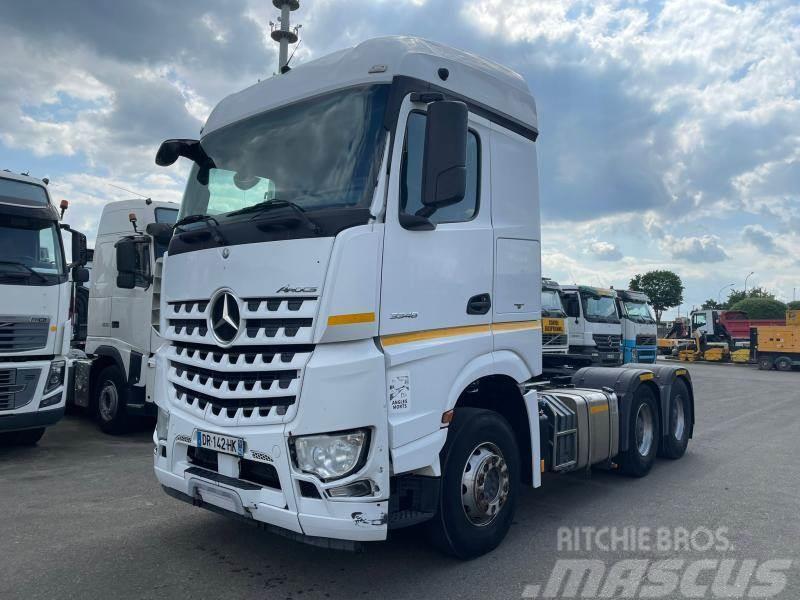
(41, 277)
(279, 203)
(211, 223)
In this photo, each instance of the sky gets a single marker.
(669, 131)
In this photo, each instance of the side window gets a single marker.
(571, 305)
(411, 175)
(698, 320)
(142, 273)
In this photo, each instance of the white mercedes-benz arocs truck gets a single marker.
(123, 313)
(351, 302)
(35, 307)
(595, 330)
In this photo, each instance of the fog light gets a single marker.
(357, 489)
(50, 401)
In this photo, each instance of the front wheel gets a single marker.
(783, 363)
(643, 434)
(110, 401)
(765, 363)
(479, 486)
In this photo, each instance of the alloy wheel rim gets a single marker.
(644, 429)
(678, 418)
(108, 401)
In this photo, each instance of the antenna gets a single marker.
(119, 187)
(283, 33)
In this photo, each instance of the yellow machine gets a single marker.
(778, 346)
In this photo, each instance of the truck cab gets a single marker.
(639, 330)
(35, 297)
(595, 330)
(351, 308)
(123, 312)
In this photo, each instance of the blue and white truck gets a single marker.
(639, 331)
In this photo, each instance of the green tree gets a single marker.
(712, 304)
(761, 308)
(664, 288)
(739, 295)
(793, 305)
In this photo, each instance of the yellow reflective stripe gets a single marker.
(646, 376)
(600, 408)
(432, 334)
(352, 319)
(680, 372)
(517, 326)
(53, 328)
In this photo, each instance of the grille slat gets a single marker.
(17, 387)
(607, 342)
(645, 340)
(554, 339)
(255, 381)
(20, 334)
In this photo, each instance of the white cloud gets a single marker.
(604, 250)
(703, 249)
(760, 238)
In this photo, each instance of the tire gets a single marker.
(110, 401)
(783, 363)
(765, 363)
(638, 459)
(26, 437)
(465, 525)
(674, 443)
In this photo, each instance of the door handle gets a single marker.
(479, 305)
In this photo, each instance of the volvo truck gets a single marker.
(122, 322)
(555, 340)
(35, 307)
(595, 329)
(351, 308)
(639, 330)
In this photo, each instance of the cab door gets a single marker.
(436, 288)
(130, 308)
(576, 324)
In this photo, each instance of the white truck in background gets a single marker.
(123, 314)
(35, 307)
(595, 330)
(555, 337)
(351, 308)
(639, 329)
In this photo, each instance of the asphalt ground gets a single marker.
(82, 516)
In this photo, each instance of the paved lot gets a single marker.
(82, 516)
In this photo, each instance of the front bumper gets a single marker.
(293, 501)
(32, 414)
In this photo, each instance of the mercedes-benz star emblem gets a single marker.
(224, 318)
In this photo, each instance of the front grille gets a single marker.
(554, 339)
(645, 340)
(607, 342)
(17, 387)
(255, 381)
(21, 334)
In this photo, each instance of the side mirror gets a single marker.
(79, 253)
(160, 232)
(80, 274)
(444, 172)
(126, 264)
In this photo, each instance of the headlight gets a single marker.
(331, 455)
(162, 424)
(55, 377)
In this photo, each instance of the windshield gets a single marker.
(638, 311)
(318, 153)
(30, 251)
(601, 309)
(551, 304)
(21, 192)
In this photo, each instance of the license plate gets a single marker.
(611, 357)
(220, 443)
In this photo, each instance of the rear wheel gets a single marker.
(643, 434)
(783, 363)
(765, 363)
(479, 486)
(110, 400)
(677, 439)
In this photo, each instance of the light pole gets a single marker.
(745, 282)
(730, 285)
